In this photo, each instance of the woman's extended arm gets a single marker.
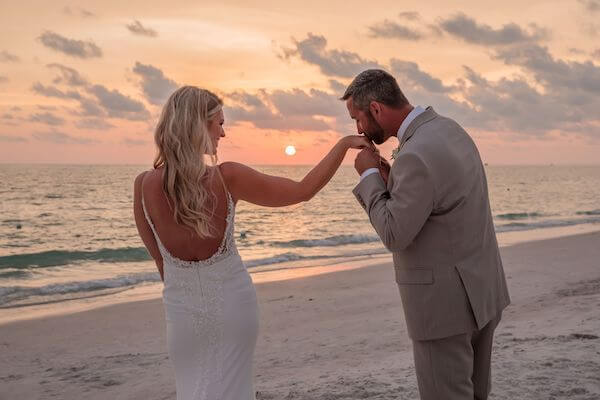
(247, 184)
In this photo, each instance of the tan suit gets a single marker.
(434, 216)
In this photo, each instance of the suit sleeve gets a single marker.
(399, 212)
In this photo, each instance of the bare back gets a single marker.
(179, 240)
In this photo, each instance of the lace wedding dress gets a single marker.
(212, 320)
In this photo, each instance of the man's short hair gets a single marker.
(374, 85)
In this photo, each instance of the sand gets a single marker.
(338, 335)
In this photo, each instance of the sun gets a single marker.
(290, 150)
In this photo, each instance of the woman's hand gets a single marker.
(357, 142)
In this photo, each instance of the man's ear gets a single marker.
(374, 108)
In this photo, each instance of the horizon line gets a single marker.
(299, 165)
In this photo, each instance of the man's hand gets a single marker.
(366, 159)
(384, 169)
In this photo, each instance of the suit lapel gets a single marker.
(424, 117)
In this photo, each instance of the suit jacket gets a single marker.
(434, 216)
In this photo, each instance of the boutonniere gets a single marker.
(395, 153)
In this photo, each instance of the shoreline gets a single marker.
(152, 291)
(546, 346)
(267, 273)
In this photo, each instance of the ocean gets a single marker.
(67, 231)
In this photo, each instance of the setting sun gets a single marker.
(290, 150)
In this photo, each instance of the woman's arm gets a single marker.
(143, 227)
(247, 184)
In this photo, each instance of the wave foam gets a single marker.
(331, 241)
(15, 293)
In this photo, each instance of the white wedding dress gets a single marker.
(212, 320)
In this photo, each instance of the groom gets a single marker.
(431, 210)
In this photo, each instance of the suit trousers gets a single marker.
(456, 367)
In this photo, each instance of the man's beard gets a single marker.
(375, 132)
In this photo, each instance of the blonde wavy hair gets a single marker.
(183, 140)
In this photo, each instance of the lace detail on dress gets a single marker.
(208, 363)
(226, 248)
(208, 326)
(201, 292)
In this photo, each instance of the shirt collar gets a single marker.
(409, 118)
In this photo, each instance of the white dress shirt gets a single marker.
(409, 118)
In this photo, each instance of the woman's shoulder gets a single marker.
(148, 178)
(231, 171)
(228, 171)
(235, 175)
(228, 167)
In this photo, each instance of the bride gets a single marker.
(184, 211)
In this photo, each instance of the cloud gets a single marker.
(337, 86)
(423, 89)
(5, 56)
(70, 47)
(9, 119)
(68, 76)
(137, 28)
(119, 105)
(596, 53)
(134, 142)
(61, 138)
(89, 108)
(12, 139)
(467, 29)
(94, 123)
(284, 110)
(78, 12)
(548, 96)
(251, 108)
(392, 30)
(552, 73)
(46, 108)
(46, 118)
(109, 103)
(410, 74)
(514, 105)
(299, 103)
(507, 105)
(410, 15)
(591, 5)
(103, 103)
(155, 85)
(3, 79)
(331, 62)
(563, 98)
(53, 91)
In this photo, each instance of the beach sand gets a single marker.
(338, 335)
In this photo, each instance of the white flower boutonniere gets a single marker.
(395, 153)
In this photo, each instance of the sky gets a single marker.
(84, 82)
